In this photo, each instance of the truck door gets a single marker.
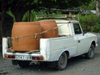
(80, 39)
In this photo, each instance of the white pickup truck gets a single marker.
(72, 41)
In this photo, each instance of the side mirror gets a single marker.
(84, 32)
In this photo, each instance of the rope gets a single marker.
(36, 34)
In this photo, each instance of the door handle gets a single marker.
(79, 41)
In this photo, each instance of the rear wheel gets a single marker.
(91, 52)
(62, 62)
(23, 64)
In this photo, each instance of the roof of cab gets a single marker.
(66, 21)
(63, 21)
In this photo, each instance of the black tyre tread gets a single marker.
(87, 54)
(58, 66)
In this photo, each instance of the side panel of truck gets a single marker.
(58, 45)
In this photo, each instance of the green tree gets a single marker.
(71, 3)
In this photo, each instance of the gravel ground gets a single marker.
(76, 66)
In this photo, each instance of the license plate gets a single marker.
(23, 57)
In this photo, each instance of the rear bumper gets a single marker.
(35, 56)
(24, 56)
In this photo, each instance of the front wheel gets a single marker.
(62, 62)
(90, 53)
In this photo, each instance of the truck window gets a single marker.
(77, 28)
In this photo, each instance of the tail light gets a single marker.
(6, 56)
(37, 58)
(9, 56)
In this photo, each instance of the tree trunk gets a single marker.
(97, 7)
(1, 22)
(1, 34)
(18, 15)
(29, 15)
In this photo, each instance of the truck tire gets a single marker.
(62, 62)
(23, 64)
(91, 52)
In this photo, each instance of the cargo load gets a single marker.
(27, 34)
(51, 26)
(21, 31)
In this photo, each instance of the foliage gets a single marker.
(19, 10)
(26, 16)
(90, 23)
(65, 4)
(11, 14)
(89, 6)
(36, 14)
(20, 7)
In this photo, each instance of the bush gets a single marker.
(97, 28)
(26, 16)
(90, 23)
